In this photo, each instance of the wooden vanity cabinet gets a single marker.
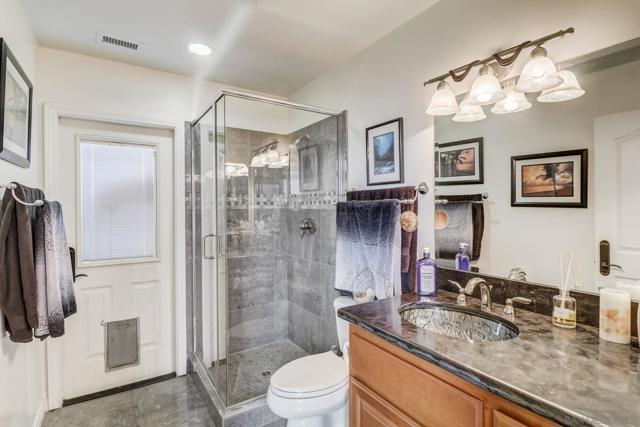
(390, 387)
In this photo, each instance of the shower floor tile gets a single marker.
(249, 371)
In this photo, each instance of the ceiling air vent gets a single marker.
(119, 42)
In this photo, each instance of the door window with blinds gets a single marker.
(117, 201)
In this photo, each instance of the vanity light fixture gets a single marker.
(512, 103)
(444, 101)
(469, 112)
(539, 73)
(199, 49)
(266, 156)
(486, 88)
(568, 90)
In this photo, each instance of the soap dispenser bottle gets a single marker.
(463, 263)
(426, 269)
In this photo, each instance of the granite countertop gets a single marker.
(568, 376)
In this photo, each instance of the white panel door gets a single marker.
(617, 194)
(117, 198)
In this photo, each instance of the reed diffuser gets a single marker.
(565, 307)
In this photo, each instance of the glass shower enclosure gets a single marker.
(261, 286)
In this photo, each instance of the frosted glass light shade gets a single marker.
(443, 102)
(272, 156)
(259, 160)
(539, 73)
(469, 113)
(512, 103)
(486, 88)
(569, 89)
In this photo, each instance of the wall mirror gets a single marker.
(557, 178)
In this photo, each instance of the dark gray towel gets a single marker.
(368, 247)
(17, 275)
(56, 296)
(459, 229)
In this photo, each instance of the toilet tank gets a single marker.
(342, 325)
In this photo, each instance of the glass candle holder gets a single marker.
(564, 311)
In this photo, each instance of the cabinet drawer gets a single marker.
(367, 409)
(429, 400)
(500, 419)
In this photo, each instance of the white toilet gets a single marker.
(313, 391)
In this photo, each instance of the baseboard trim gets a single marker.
(115, 390)
(42, 410)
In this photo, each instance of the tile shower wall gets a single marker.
(280, 284)
(311, 258)
(256, 256)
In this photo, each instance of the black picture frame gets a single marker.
(399, 162)
(7, 56)
(581, 188)
(477, 177)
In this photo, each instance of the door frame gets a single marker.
(51, 124)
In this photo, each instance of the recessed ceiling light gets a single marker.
(199, 49)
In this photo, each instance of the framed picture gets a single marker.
(309, 168)
(556, 179)
(385, 152)
(459, 162)
(16, 97)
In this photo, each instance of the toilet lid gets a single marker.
(310, 374)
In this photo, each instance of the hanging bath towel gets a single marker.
(368, 247)
(459, 229)
(17, 273)
(56, 297)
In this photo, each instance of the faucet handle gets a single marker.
(508, 308)
(462, 297)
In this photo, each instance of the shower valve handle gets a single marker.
(308, 225)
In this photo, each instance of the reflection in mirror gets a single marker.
(522, 188)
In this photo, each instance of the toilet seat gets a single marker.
(310, 376)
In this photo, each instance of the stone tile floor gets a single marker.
(249, 371)
(172, 403)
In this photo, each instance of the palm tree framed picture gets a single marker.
(459, 162)
(558, 179)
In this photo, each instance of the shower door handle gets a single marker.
(218, 246)
(205, 255)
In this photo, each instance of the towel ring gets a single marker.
(13, 187)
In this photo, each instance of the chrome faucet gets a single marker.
(485, 292)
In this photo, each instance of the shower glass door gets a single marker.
(265, 291)
(205, 246)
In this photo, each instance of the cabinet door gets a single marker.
(367, 409)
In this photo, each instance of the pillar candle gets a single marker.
(633, 287)
(615, 315)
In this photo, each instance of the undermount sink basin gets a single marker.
(458, 321)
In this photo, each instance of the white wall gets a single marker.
(385, 81)
(21, 365)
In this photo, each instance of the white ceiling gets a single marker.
(273, 46)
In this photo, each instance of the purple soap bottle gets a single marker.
(426, 269)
